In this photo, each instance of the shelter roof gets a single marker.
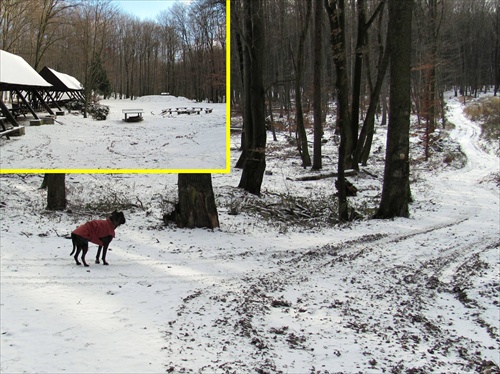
(15, 72)
(60, 81)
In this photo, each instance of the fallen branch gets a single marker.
(347, 173)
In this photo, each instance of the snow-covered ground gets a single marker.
(167, 142)
(284, 293)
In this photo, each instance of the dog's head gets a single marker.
(118, 218)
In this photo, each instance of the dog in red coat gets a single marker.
(100, 232)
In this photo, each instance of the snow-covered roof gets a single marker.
(71, 82)
(15, 71)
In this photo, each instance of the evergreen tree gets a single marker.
(99, 77)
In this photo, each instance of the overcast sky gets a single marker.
(147, 9)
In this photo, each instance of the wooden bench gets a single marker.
(134, 118)
(7, 128)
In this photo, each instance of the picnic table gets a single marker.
(6, 128)
(135, 117)
(185, 110)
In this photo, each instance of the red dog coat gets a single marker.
(93, 230)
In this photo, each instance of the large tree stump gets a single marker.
(56, 191)
(196, 207)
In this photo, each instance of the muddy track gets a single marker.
(406, 295)
(402, 295)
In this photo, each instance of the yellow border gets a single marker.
(162, 171)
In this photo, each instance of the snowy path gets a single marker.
(418, 293)
(400, 295)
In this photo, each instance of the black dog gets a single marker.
(100, 232)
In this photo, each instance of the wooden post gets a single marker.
(8, 114)
(26, 103)
(39, 97)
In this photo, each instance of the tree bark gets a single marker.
(318, 125)
(363, 146)
(56, 191)
(196, 206)
(396, 187)
(245, 61)
(497, 49)
(336, 15)
(356, 85)
(299, 71)
(255, 162)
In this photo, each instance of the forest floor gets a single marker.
(281, 287)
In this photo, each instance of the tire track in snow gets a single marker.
(407, 279)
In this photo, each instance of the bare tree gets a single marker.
(13, 23)
(253, 64)
(363, 145)
(93, 24)
(50, 16)
(396, 187)
(299, 71)
(318, 117)
(336, 13)
(496, 59)
(361, 54)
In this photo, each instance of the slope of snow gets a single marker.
(256, 295)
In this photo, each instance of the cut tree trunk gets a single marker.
(196, 207)
(56, 191)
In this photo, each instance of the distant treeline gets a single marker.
(182, 51)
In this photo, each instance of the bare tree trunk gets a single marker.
(396, 187)
(299, 71)
(246, 134)
(336, 13)
(56, 191)
(363, 147)
(356, 85)
(497, 48)
(196, 206)
(255, 162)
(318, 125)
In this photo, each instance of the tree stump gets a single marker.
(56, 191)
(196, 207)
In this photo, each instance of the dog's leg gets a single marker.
(104, 251)
(98, 254)
(84, 252)
(105, 240)
(78, 249)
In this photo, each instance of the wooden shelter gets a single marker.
(64, 87)
(22, 81)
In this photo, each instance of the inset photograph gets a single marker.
(113, 86)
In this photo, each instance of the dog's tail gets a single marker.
(74, 245)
